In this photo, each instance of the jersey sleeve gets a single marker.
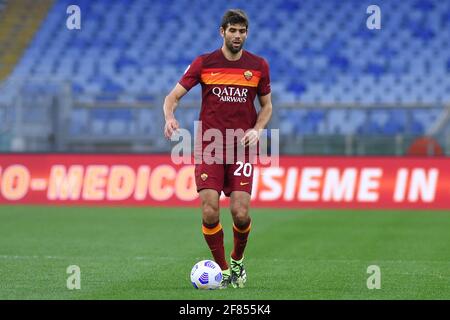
(192, 75)
(264, 82)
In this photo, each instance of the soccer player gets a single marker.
(231, 78)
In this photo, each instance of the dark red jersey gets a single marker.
(229, 89)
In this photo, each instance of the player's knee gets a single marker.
(240, 214)
(210, 212)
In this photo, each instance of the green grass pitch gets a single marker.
(147, 253)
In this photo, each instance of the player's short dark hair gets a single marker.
(234, 16)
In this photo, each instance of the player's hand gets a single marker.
(251, 137)
(170, 127)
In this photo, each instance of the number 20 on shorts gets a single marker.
(243, 168)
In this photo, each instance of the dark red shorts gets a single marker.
(224, 177)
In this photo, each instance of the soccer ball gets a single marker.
(206, 274)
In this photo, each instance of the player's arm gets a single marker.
(264, 115)
(170, 104)
(190, 78)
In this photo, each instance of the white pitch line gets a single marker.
(17, 257)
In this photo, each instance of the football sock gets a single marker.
(240, 235)
(213, 234)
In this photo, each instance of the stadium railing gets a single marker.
(51, 117)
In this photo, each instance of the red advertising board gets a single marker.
(297, 182)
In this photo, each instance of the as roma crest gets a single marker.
(204, 176)
(248, 75)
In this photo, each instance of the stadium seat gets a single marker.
(319, 52)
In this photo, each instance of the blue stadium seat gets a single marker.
(319, 52)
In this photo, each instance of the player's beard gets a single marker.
(233, 49)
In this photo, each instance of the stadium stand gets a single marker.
(19, 20)
(320, 53)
